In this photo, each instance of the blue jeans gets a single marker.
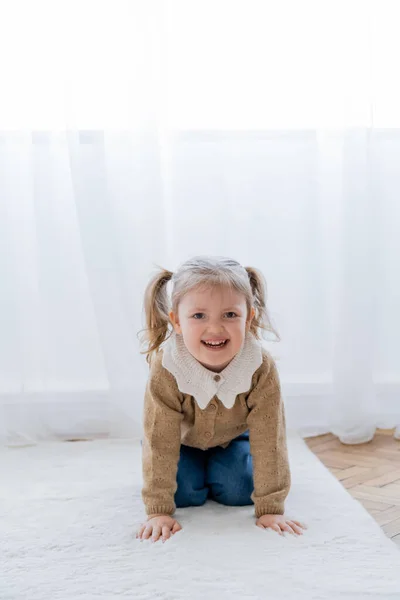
(222, 474)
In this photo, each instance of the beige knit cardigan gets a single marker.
(171, 418)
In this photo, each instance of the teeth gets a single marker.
(215, 343)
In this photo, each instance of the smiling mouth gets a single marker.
(215, 345)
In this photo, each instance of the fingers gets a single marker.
(299, 524)
(156, 533)
(140, 531)
(286, 527)
(283, 527)
(289, 527)
(166, 533)
(157, 530)
(147, 532)
(296, 528)
(176, 527)
(276, 528)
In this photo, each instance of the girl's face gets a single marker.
(213, 323)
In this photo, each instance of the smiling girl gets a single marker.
(214, 419)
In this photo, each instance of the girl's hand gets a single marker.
(280, 524)
(158, 526)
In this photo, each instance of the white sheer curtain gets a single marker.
(141, 133)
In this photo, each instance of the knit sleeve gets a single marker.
(162, 418)
(268, 447)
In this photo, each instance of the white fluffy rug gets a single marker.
(68, 515)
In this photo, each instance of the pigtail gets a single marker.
(156, 313)
(261, 319)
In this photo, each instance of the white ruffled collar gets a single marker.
(194, 379)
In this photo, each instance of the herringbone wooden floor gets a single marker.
(370, 472)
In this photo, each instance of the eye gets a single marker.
(198, 316)
(232, 314)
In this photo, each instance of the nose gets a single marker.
(215, 326)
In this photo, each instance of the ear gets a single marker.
(175, 323)
(251, 317)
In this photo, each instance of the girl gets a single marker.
(214, 420)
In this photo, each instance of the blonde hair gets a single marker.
(201, 272)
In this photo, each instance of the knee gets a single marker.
(186, 495)
(234, 492)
